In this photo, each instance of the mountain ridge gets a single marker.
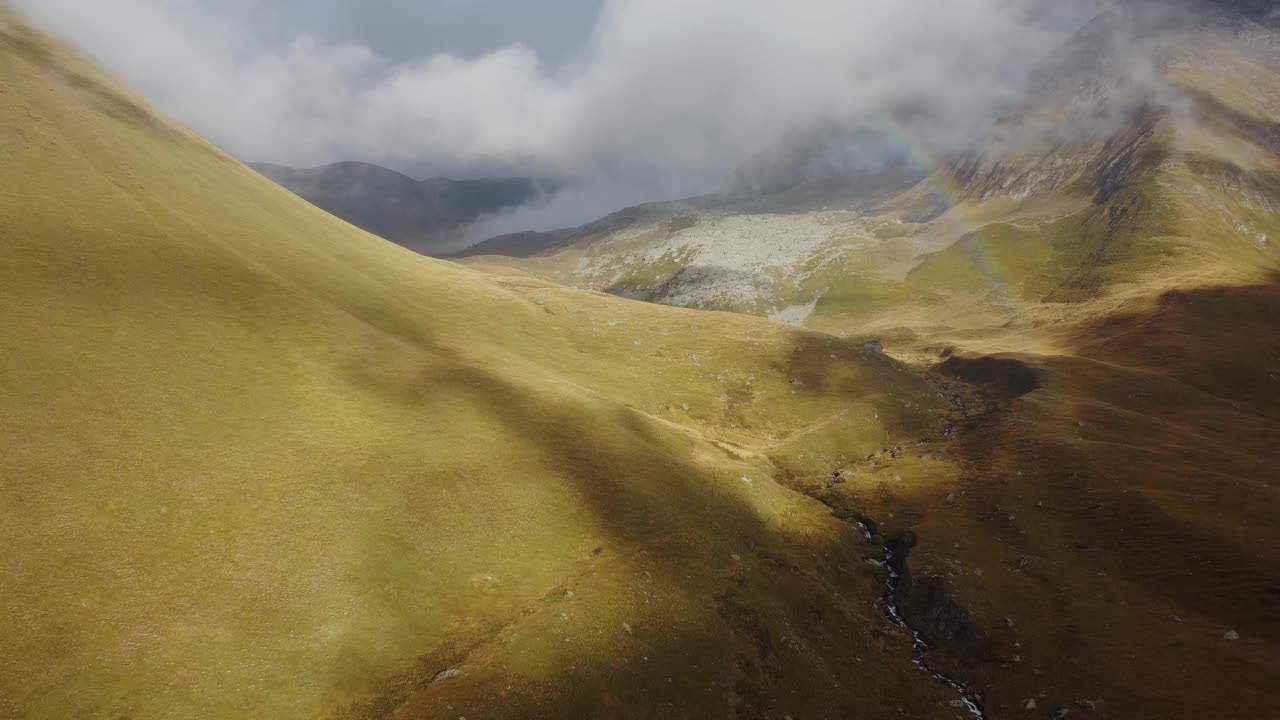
(423, 215)
(1114, 240)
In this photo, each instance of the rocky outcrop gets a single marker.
(928, 608)
(1003, 377)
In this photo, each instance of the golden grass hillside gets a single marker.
(1108, 528)
(260, 464)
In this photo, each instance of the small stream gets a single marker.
(919, 647)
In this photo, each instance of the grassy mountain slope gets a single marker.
(258, 463)
(1146, 122)
(1101, 291)
(1124, 501)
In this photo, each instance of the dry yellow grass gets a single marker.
(260, 464)
(257, 463)
(1109, 532)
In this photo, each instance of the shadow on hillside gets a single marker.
(1261, 132)
(825, 366)
(637, 478)
(1222, 340)
(1200, 371)
(1223, 344)
(1092, 503)
(1004, 378)
(1145, 473)
(1141, 480)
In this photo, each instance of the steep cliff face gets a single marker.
(928, 607)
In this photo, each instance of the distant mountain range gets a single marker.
(425, 216)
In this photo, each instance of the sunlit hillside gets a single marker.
(1100, 285)
(1144, 158)
(258, 463)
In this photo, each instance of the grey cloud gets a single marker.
(405, 29)
(642, 100)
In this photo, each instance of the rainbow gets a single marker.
(942, 184)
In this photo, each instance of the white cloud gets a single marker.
(666, 98)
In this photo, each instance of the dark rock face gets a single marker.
(422, 216)
(1006, 377)
(929, 609)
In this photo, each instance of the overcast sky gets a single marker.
(401, 30)
(629, 100)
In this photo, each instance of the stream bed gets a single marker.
(894, 564)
